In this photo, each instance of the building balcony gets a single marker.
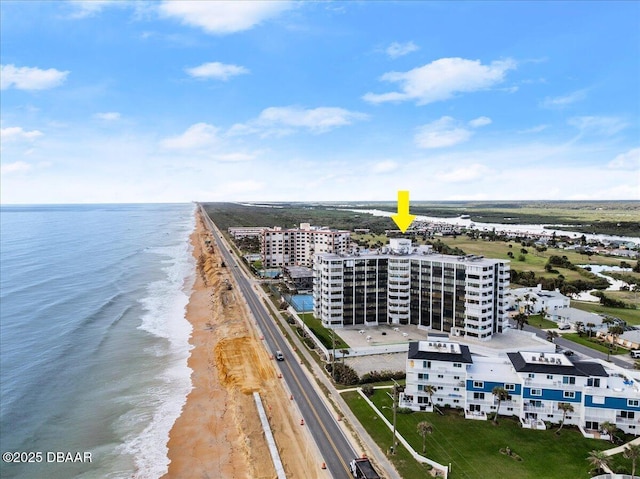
(477, 415)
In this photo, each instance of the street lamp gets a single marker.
(394, 443)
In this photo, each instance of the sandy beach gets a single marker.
(219, 435)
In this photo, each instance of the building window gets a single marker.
(456, 377)
(423, 376)
(568, 380)
(569, 394)
(627, 414)
(536, 392)
(478, 384)
(633, 402)
(594, 382)
(478, 395)
(457, 365)
(550, 376)
(531, 375)
(510, 387)
(440, 376)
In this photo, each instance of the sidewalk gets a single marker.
(617, 450)
(363, 440)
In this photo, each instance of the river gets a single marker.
(519, 228)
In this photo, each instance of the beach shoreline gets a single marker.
(218, 433)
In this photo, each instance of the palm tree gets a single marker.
(632, 451)
(534, 300)
(615, 332)
(610, 429)
(501, 394)
(521, 319)
(579, 327)
(430, 390)
(424, 428)
(598, 459)
(590, 327)
(344, 352)
(565, 407)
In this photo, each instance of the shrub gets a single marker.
(404, 410)
(368, 390)
(379, 376)
(343, 374)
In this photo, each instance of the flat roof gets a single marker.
(553, 363)
(440, 351)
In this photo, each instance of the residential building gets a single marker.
(443, 373)
(238, 232)
(296, 247)
(535, 300)
(401, 284)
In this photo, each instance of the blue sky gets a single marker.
(112, 101)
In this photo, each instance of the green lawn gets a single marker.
(536, 321)
(631, 316)
(472, 447)
(585, 341)
(322, 333)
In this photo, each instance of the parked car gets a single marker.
(635, 353)
(564, 326)
(568, 352)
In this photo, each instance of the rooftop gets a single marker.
(554, 363)
(440, 351)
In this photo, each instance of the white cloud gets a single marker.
(385, 166)
(108, 116)
(223, 17)
(480, 121)
(28, 78)
(534, 129)
(441, 133)
(396, 49)
(216, 70)
(200, 135)
(442, 79)
(15, 133)
(16, 167)
(563, 101)
(626, 161)
(285, 120)
(601, 125)
(89, 8)
(463, 173)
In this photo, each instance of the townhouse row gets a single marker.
(442, 372)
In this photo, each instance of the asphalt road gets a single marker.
(336, 450)
(582, 351)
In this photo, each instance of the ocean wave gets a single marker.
(165, 307)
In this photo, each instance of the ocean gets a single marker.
(93, 337)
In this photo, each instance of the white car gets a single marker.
(564, 326)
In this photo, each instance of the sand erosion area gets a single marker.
(219, 435)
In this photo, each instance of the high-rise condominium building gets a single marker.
(296, 247)
(464, 295)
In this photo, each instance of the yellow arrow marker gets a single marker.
(403, 219)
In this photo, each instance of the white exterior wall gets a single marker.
(618, 395)
(297, 247)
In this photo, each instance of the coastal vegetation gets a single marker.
(598, 217)
(602, 217)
